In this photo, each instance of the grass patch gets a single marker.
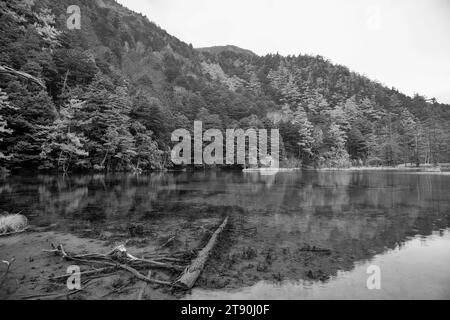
(12, 223)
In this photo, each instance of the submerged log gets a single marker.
(144, 287)
(191, 274)
(8, 266)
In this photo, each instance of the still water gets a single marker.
(303, 235)
(418, 269)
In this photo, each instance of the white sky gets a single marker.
(401, 43)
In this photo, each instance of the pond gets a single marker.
(302, 235)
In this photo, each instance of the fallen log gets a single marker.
(144, 287)
(122, 259)
(13, 233)
(141, 277)
(23, 75)
(191, 274)
(120, 253)
(86, 273)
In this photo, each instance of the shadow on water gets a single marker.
(307, 226)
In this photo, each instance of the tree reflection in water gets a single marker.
(276, 221)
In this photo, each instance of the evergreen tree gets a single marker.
(148, 156)
(336, 154)
(33, 111)
(64, 144)
(305, 133)
(116, 90)
(4, 104)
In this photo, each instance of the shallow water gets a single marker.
(294, 235)
(416, 270)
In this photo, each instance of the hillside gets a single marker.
(118, 87)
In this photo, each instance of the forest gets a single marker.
(110, 94)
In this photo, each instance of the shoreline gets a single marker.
(416, 170)
(371, 169)
(423, 170)
(30, 276)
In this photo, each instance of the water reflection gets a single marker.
(416, 270)
(292, 226)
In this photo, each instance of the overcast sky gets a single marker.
(401, 43)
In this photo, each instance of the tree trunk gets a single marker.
(192, 273)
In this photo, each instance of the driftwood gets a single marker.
(8, 266)
(86, 273)
(117, 259)
(144, 287)
(192, 273)
(119, 254)
(13, 233)
(50, 296)
(120, 259)
(141, 277)
(172, 239)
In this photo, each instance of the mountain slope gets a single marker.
(120, 85)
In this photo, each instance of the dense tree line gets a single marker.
(117, 88)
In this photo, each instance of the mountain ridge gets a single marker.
(232, 48)
(327, 114)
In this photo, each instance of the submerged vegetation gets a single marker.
(116, 89)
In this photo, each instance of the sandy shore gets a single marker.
(30, 273)
(241, 258)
